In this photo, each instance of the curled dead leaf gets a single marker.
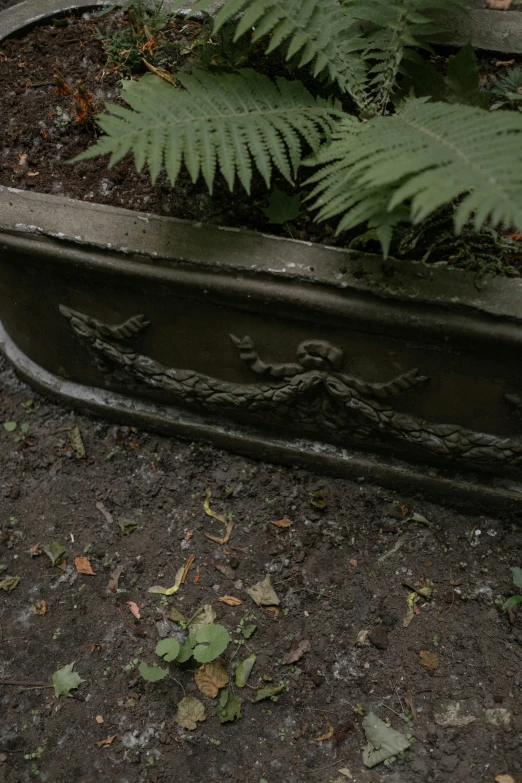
(39, 607)
(429, 660)
(504, 779)
(231, 600)
(187, 567)
(83, 566)
(329, 733)
(107, 741)
(224, 540)
(113, 583)
(298, 652)
(282, 522)
(134, 609)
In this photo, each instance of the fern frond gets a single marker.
(427, 155)
(319, 33)
(224, 121)
(397, 27)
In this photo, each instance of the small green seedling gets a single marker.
(515, 599)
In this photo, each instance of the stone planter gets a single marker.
(401, 373)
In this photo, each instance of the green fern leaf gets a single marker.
(319, 33)
(427, 155)
(397, 27)
(225, 122)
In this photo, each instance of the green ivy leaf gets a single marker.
(66, 680)
(54, 551)
(269, 692)
(511, 602)
(152, 673)
(282, 207)
(517, 577)
(168, 649)
(10, 426)
(243, 670)
(229, 707)
(212, 641)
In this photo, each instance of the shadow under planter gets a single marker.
(335, 360)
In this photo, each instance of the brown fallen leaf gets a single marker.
(39, 607)
(317, 499)
(106, 741)
(429, 660)
(298, 652)
(210, 678)
(282, 522)
(329, 733)
(224, 540)
(134, 609)
(83, 566)
(99, 719)
(35, 550)
(113, 584)
(504, 63)
(504, 779)
(499, 5)
(187, 567)
(106, 514)
(231, 600)
(273, 609)
(353, 562)
(226, 570)
(189, 535)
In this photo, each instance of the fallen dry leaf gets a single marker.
(165, 75)
(208, 510)
(99, 719)
(282, 522)
(210, 678)
(231, 600)
(329, 733)
(134, 609)
(39, 607)
(106, 514)
(504, 779)
(187, 567)
(499, 5)
(113, 584)
(83, 566)
(189, 535)
(273, 609)
(263, 594)
(226, 570)
(298, 652)
(35, 550)
(504, 63)
(317, 499)
(224, 540)
(190, 713)
(353, 562)
(429, 660)
(106, 741)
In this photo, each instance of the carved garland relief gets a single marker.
(311, 392)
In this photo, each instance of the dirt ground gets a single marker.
(343, 575)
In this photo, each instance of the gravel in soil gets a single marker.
(451, 679)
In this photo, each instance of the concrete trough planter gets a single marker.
(402, 373)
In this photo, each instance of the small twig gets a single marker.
(42, 84)
(178, 683)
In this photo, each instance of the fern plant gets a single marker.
(391, 142)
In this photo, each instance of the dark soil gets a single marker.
(339, 572)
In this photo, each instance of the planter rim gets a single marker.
(497, 31)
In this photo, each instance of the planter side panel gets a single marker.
(309, 362)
